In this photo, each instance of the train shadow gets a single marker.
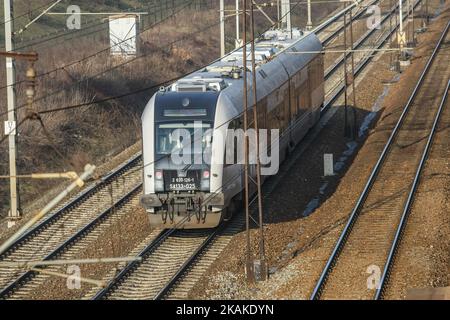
(300, 187)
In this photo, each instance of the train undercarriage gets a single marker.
(184, 210)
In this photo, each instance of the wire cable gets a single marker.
(101, 51)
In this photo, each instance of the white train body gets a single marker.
(290, 92)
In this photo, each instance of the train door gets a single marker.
(303, 97)
(232, 166)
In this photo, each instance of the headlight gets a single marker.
(159, 181)
(204, 186)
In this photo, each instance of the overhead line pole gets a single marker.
(346, 123)
(249, 270)
(309, 22)
(278, 14)
(262, 270)
(238, 36)
(402, 37)
(222, 28)
(14, 212)
(286, 14)
(353, 133)
(391, 60)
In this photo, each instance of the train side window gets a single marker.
(234, 125)
(263, 74)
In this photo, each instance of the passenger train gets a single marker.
(290, 93)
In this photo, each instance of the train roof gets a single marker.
(227, 71)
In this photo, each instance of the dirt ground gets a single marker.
(305, 215)
(33, 207)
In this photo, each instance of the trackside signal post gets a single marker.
(10, 125)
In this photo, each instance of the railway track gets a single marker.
(173, 255)
(371, 237)
(75, 226)
(69, 224)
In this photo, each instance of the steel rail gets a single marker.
(332, 19)
(359, 42)
(182, 270)
(104, 181)
(155, 244)
(188, 263)
(355, 212)
(405, 214)
(355, 17)
(163, 236)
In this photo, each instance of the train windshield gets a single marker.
(183, 137)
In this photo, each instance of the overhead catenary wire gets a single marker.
(141, 90)
(168, 45)
(79, 30)
(37, 18)
(216, 127)
(252, 200)
(110, 69)
(76, 31)
(146, 88)
(245, 70)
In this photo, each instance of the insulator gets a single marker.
(31, 74)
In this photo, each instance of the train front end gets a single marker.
(177, 131)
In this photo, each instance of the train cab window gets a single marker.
(168, 139)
